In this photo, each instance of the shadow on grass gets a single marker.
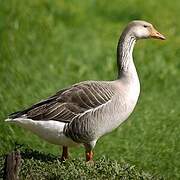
(37, 165)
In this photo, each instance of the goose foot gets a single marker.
(89, 156)
(65, 154)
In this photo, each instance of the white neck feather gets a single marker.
(124, 55)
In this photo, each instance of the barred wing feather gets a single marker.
(68, 103)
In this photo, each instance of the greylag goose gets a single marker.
(84, 112)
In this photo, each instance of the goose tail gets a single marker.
(8, 120)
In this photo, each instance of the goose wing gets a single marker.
(68, 103)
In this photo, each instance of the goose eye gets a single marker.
(145, 26)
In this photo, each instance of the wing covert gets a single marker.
(68, 103)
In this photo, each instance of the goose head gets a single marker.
(143, 30)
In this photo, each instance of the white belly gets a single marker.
(51, 131)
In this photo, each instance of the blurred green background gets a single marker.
(47, 45)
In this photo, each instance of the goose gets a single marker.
(84, 112)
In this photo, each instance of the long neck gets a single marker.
(124, 54)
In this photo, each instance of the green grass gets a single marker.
(47, 45)
(37, 165)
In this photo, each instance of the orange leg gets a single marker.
(64, 153)
(89, 156)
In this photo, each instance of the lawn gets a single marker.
(47, 45)
(38, 165)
